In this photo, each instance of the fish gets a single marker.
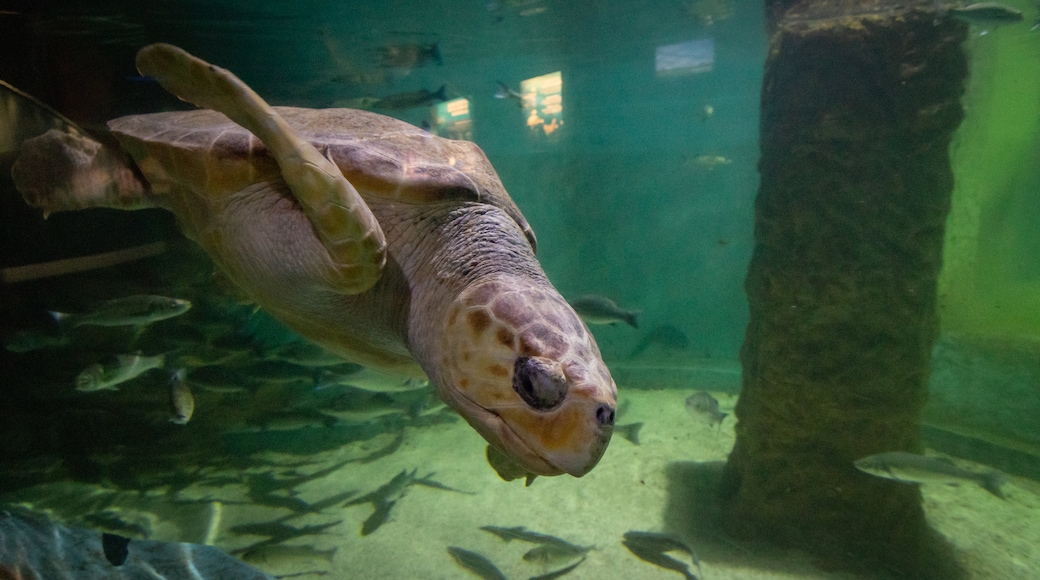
(136, 310)
(411, 100)
(706, 162)
(278, 532)
(372, 380)
(115, 547)
(702, 405)
(476, 563)
(986, 13)
(651, 547)
(35, 339)
(913, 468)
(358, 410)
(505, 92)
(379, 516)
(98, 377)
(304, 354)
(630, 431)
(282, 555)
(409, 55)
(387, 495)
(602, 310)
(558, 573)
(182, 403)
(665, 336)
(555, 552)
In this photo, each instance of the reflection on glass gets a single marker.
(695, 56)
(451, 119)
(543, 102)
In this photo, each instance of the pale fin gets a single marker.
(344, 223)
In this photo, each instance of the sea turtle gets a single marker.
(369, 236)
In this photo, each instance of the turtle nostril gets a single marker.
(605, 415)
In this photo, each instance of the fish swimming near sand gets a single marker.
(558, 573)
(651, 547)
(137, 310)
(602, 310)
(283, 555)
(701, 405)
(912, 468)
(182, 402)
(476, 563)
(555, 552)
(102, 377)
(411, 100)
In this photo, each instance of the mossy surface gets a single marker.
(857, 117)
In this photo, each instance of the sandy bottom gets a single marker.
(634, 488)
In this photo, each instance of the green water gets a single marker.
(640, 187)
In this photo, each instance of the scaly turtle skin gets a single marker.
(390, 246)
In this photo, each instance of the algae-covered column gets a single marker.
(859, 103)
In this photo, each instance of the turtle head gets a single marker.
(520, 366)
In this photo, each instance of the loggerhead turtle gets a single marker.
(374, 239)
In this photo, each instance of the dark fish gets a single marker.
(555, 552)
(704, 406)
(410, 100)
(602, 310)
(278, 532)
(379, 516)
(651, 547)
(116, 548)
(517, 533)
(986, 13)
(384, 498)
(666, 336)
(558, 573)
(630, 431)
(476, 563)
(913, 468)
(505, 92)
(409, 55)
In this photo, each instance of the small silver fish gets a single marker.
(707, 162)
(98, 377)
(556, 552)
(137, 310)
(182, 403)
(476, 563)
(986, 13)
(281, 555)
(411, 100)
(913, 468)
(702, 405)
(602, 310)
(505, 92)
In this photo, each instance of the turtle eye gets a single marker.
(537, 384)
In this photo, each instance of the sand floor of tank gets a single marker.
(644, 487)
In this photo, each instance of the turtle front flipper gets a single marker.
(343, 222)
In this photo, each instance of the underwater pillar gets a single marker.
(856, 121)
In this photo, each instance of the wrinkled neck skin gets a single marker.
(450, 252)
(481, 308)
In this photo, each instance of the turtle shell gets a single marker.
(380, 156)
